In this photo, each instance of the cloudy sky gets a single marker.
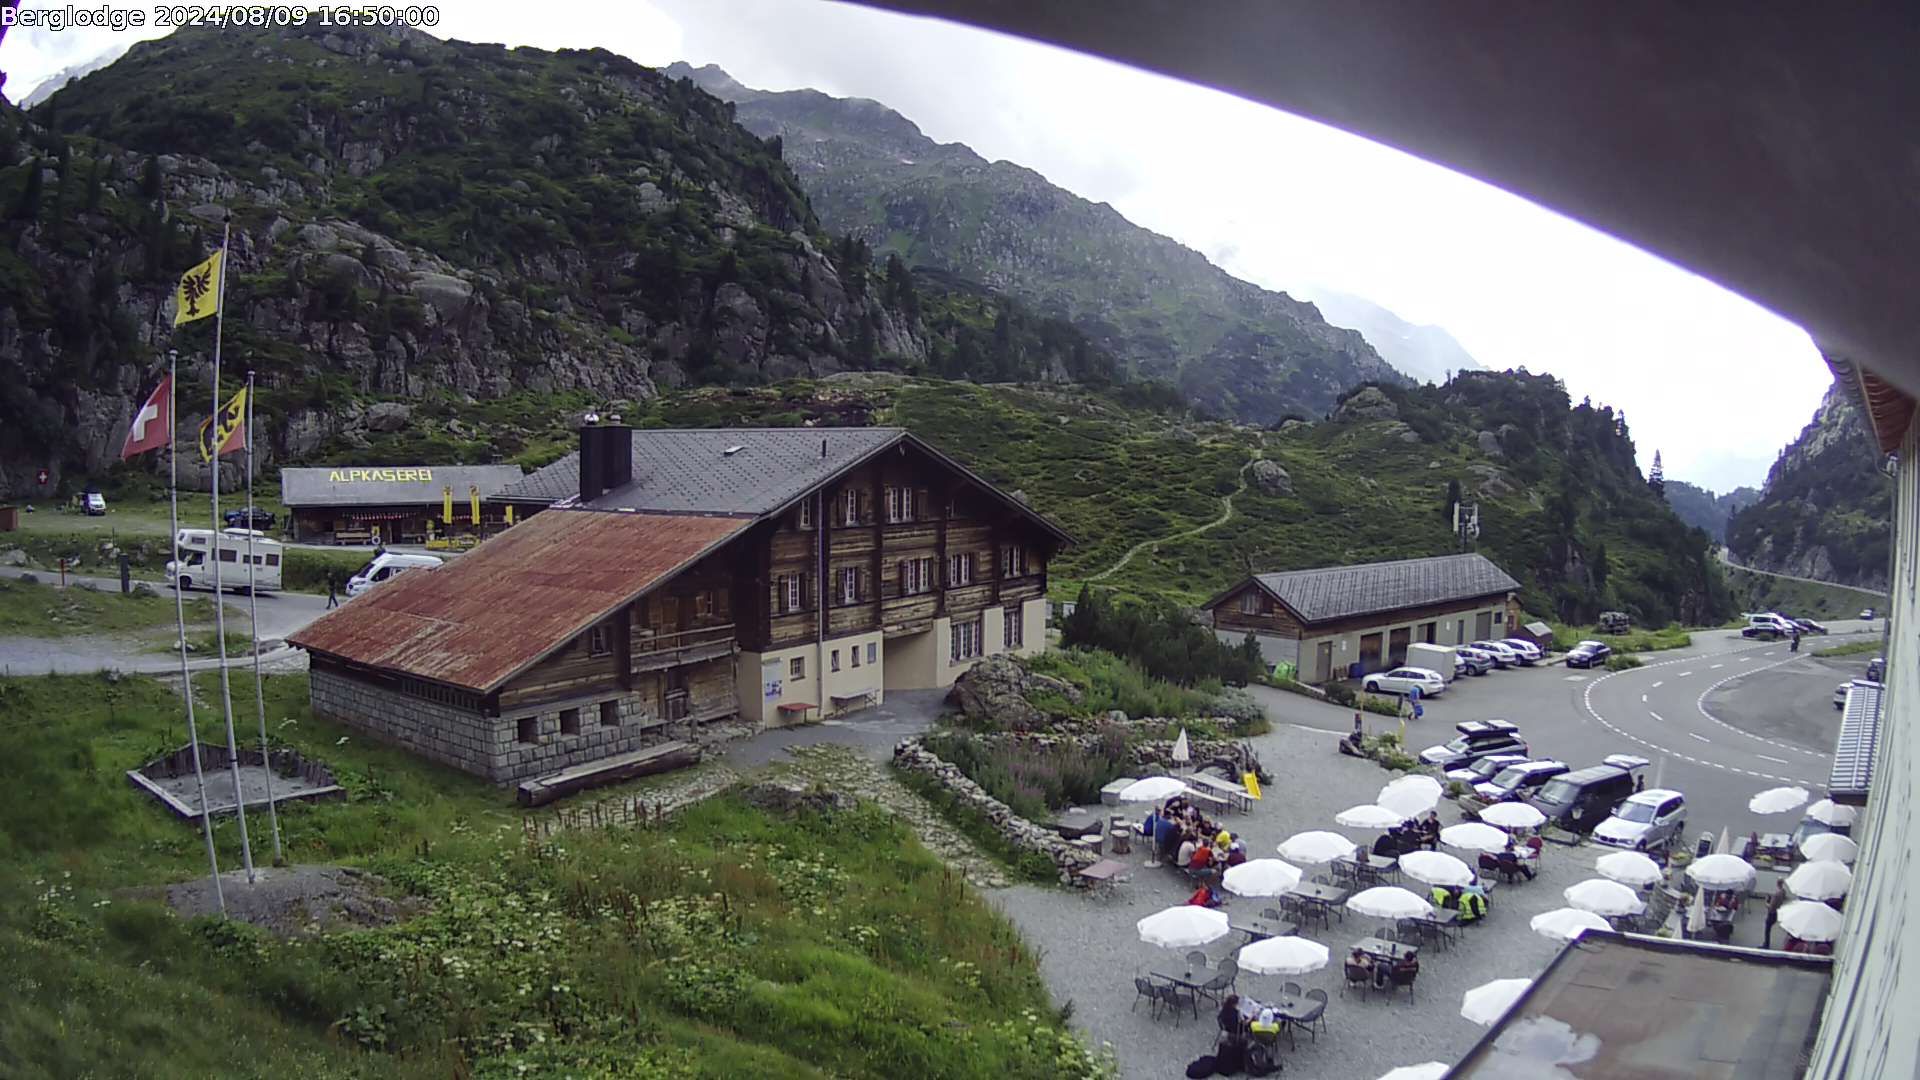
(1715, 383)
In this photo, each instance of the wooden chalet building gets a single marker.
(1327, 621)
(686, 576)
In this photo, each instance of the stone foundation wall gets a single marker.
(1018, 831)
(485, 746)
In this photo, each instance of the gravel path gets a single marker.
(1226, 515)
(1090, 952)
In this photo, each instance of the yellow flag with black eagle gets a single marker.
(198, 294)
(226, 432)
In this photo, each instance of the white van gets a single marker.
(195, 568)
(386, 566)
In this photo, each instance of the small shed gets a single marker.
(9, 518)
(1540, 633)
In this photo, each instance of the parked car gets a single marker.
(1588, 654)
(1519, 780)
(1615, 622)
(1866, 613)
(1484, 769)
(1478, 738)
(1648, 820)
(1582, 799)
(94, 503)
(1877, 669)
(386, 566)
(1768, 625)
(1528, 652)
(1808, 626)
(1840, 695)
(245, 519)
(1502, 653)
(1472, 661)
(1405, 679)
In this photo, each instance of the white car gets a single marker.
(1529, 652)
(1405, 679)
(1485, 769)
(94, 503)
(1503, 654)
(1473, 661)
(1649, 820)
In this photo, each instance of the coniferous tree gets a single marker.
(150, 179)
(96, 180)
(29, 205)
(1657, 477)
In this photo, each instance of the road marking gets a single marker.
(1575, 678)
(1744, 659)
(1776, 760)
(1702, 738)
(1683, 675)
(1659, 684)
(1643, 699)
(1586, 701)
(1715, 667)
(1700, 704)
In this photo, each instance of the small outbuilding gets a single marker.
(1345, 621)
(394, 503)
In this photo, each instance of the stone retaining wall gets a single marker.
(1016, 830)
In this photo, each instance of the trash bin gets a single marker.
(1355, 670)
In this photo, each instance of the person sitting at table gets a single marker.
(1473, 900)
(1430, 831)
(1388, 846)
(1202, 858)
(1405, 969)
(1265, 1027)
(1185, 857)
(1204, 896)
(1236, 854)
(1509, 862)
(1147, 824)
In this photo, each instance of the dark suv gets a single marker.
(1584, 798)
(237, 519)
(1478, 738)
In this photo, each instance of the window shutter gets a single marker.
(722, 605)
(866, 506)
(864, 587)
(919, 504)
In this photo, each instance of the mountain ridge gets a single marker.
(1423, 352)
(1160, 306)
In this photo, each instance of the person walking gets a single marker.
(1778, 898)
(333, 594)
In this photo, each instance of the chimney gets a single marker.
(606, 456)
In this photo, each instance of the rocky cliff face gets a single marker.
(414, 218)
(1161, 307)
(1826, 511)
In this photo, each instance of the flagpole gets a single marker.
(219, 597)
(253, 620)
(180, 621)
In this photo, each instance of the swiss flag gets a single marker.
(153, 424)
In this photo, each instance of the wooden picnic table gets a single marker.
(1386, 950)
(1236, 794)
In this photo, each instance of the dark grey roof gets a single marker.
(385, 485)
(689, 470)
(1857, 745)
(1338, 592)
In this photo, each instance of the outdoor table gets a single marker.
(1776, 846)
(1443, 921)
(1235, 794)
(1261, 929)
(1386, 950)
(1286, 1008)
(1214, 802)
(1324, 897)
(1184, 981)
(1369, 868)
(1103, 875)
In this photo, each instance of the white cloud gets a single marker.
(1714, 382)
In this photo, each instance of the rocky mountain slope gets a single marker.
(1235, 349)
(1426, 354)
(1827, 510)
(1704, 510)
(414, 219)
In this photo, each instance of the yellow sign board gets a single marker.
(389, 476)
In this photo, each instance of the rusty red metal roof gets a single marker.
(489, 614)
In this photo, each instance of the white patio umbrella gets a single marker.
(1282, 956)
(1389, 902)
(1513, 815)
(1315, 847)
(1721, 871)
(1486, 1004)
(1181, 753)
(1152, 789)
(1565, 924)
(1830, 845)
(1822, 879)
(1368, 816)
(1474, 836)
(1778, 800)
(1261, 877)
(1183, 927)
(1828, 812)
(1412, 794)
(1603, 897)
(1435, 868)
(1629, 868)
(1810, 920)
(1429, 1070)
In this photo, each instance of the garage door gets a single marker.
(1397, 646)
(1483, 626)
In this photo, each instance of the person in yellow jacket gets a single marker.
(1471, 906)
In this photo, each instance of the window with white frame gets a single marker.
(853, 654)
(873, 653)
(959, 570)
(599, 641)
(966, 640)
(916, 575)
(850, 585)
(797, 668)
(793, 593)
(850, 507)
(1013, 561)
(1250, 603)
(1015, 632)
(899, 504)
(833, 662)
(805, 518)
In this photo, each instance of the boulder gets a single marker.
(1490, 444)
(1271, 478)
(13, 557)
(389, 416)
(1368, 403)
(997, 691)
(791, 796)
(144, 588)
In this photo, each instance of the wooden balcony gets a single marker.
(651, 651)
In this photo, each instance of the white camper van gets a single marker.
(194, 569)
(386, 566)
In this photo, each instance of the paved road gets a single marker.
(1720, 721)
(1874, 594)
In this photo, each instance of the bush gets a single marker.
(1620, 662)
(1383, 706)
(1112, 682)
(1340, 693)
(1036, 781)
(1162, 639)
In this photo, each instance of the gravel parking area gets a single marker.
(1090, 951)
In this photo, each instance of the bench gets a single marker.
(662, 757)
(861, 698)
(352, 536)
(1214, 802)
